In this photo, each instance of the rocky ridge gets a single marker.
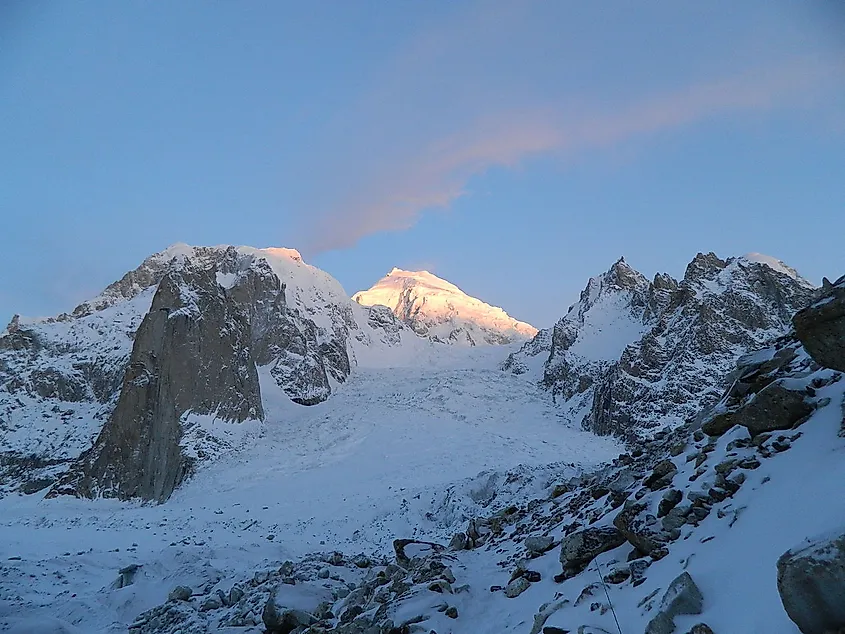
(634, 355)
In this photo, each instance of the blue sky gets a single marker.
(514, 148)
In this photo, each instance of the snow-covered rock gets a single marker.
(439, 310)
(633, 356)
(811, 583)
(821, 327)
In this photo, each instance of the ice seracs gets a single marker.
(441, 311)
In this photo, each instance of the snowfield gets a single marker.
(397, 452)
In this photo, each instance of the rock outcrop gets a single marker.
(579, 549)
(811, 583)
(821, 327)
(681, 597)
(191, 353)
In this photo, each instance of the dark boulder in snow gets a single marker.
(641, 529)
(811, 583)
(821, 327)
(681, 597)
(773, 407)
(579, 549)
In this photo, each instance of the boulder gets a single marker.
(410, 550)
(579, 549)
(180, 593)
(821, 328)
(290, 607)
(212, 602)
(811, 583)
(661, 475)
(640, 529)
(517, 587)
(681, 597)
(772, 408)
(539, 543)
(669, 501)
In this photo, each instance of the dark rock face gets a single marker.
(191, 353)
(821, 327)
(639, 355)
(772, 408)
(762, 397)
(811, 583)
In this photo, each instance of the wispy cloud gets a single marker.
(438, 173)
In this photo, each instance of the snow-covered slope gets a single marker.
(701, 514)
(60, 378)
(632, 356)
(439, 310)
(401, 450)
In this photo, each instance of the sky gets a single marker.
(515, 148)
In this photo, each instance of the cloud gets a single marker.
(393, 193)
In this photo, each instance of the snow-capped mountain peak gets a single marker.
(439, 310)
(774, 264)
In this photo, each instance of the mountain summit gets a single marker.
(632, 356)
(441, 311)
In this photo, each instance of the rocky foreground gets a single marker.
(634, 546)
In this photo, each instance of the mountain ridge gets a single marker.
(632, 355)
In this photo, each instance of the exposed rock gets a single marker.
(517, 587)
(811, 583)
(821, 327)
(127, 575)
(681, 597)
(661, 475)
(638, 569)
(458, 541)
(669, 501)
(539, 543)
(639, 528)
(419, 549)
(191, 354)
(772, 408)
(579, 549)
(180, 593)
(292, 606)
(701, 628)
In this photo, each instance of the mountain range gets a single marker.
(221, 384)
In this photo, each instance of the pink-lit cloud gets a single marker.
(394, 193)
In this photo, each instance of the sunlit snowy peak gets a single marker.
(441, 311)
